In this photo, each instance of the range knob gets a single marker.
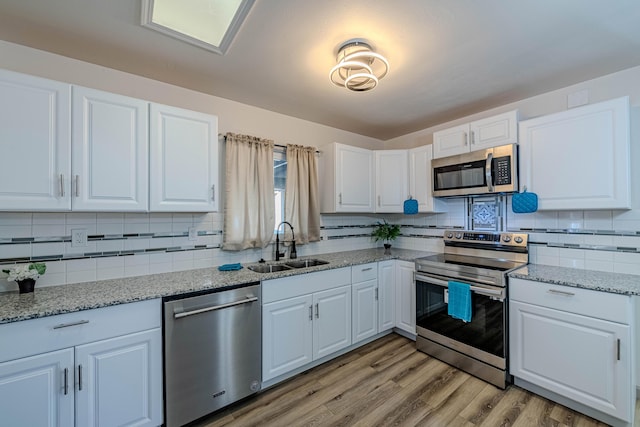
(458, 235)
(449, 235)
(506, 238)
(518, 239)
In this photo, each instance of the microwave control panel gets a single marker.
(502, 168)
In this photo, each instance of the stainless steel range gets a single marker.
(482, 260)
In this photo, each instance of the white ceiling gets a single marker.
(448, 58)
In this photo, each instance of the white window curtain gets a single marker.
(302, 208)
(249, 194)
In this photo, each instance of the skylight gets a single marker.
(209, 24)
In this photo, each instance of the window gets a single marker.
(279, 184)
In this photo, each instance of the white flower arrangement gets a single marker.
(26, 271)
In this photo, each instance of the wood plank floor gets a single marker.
(389, 383)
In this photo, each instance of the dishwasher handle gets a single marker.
(215, 307)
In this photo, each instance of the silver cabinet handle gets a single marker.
(563, 293)
(465, 139)
(487, 171)
(311, 312)
(77, 185)
(378, 200)
(376, 294)
(215, 307)
(367, 269)
(317, 311)
(66, 381)
(61, 185)
(68, 325)
(79, 377)
(340, 198)
(618, 348)
(213, 193)
(473, 137)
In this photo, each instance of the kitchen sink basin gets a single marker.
(303, 263)
(269, 268)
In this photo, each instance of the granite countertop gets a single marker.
(617, 283)
(52, 300)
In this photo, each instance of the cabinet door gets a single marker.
(354, 179)
(110, 152)
(184, 160)
(493, 131)
(119, 381)
(33, 393)
(332, 321)
(451, 141)
(35, 143)
(587, 148)
(386, 295)
(581, 358)
(391, 180)
(421, 180)
(364, 309)
(287, 335)
(405, 297)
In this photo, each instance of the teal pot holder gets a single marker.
(410, 206)
(524, 202)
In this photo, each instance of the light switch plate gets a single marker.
(193, 233)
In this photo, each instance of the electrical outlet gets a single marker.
(79, 237)
(193, 233)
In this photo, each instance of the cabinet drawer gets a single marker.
(602, 305)
(364, 272)
(45, 334)
(302, 284)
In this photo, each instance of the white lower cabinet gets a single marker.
(304, 318)
(405, 297)
(562, 340)
(98, 367)
(364, 309)
(386, 295)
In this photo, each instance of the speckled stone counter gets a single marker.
(626, 284)
(52, 300)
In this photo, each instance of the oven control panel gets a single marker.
(486, 237)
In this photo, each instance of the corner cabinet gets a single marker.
(90, 368)
(347, 176)
(576, 344)
(391, 180)
(110, 152)
(183, 160)
(477, 135)
(35, 143)
(588, 150)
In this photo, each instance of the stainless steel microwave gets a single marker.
(490, 171)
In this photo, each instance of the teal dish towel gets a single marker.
(459, 306)
(230, 267)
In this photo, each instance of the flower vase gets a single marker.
(387, 248)
(26, 285)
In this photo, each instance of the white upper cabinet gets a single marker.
(347, 179)
(484, 133)
(34, 143)
(391, 180)
(579, 158)
(110, 151)
(421, 180)
(183, 160)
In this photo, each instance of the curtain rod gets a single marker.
(275, 145)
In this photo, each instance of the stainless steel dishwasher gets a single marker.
(212, 350)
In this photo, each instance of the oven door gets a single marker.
(483, 338)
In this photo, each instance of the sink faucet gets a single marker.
(292, 253)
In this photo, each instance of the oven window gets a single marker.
(484, 332)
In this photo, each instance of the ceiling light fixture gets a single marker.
(359, 68)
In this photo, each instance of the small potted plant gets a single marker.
(385, 232)
(25, 275)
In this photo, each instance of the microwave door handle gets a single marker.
(487, 172)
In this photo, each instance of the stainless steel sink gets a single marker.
(269, 268)
(304, 263)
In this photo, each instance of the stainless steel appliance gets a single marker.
(212, 350)
(493, 170)
(482, 260)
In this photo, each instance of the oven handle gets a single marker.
(476, 289)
